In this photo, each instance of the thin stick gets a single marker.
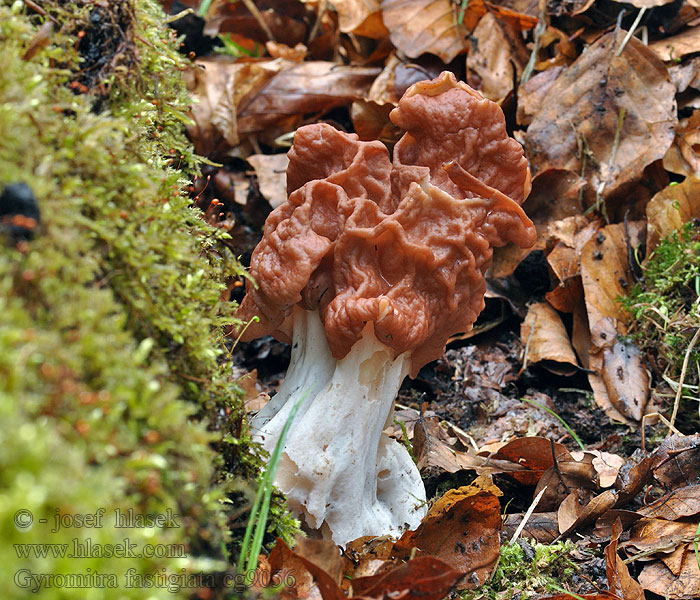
(259, 18)
(666, 422)
(679, 392)
(630, 33)
(323, 7)
(527, 515)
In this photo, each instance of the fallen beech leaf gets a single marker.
(309, 87)
(354, 14)
(277, 50)
(605, 276)
(307, 574)
(554, 197)
(634, 474)
(544, 335)
(604, 524)
(607, 466)
(658, 578)
(541, 527)
(566, 296)
(676, 462)
(681, 502)
(533, 92)
(366, 556)
(597, 507)
(582, 111)
(496, 54)
(420, 26)
(271, 170)
(423, 578)
(620, 581)
(677, 46)
(658, 535)
(221, 88)
(570, 509)
(626, 379)
(534, 453)
(465, 534)
(430, 451)
(670, 208)
(682, 157)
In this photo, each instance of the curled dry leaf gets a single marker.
(533, 453)
(420, 26)
(271, 171)
(670, 208)
(676, 461)
(591, 511)
(682, 502)
(361, 17)
(541, 526)
(533, 92)
(648, 536)
(463, 532)
(626, 379)
(423, 578)
(682, 157)
(544, 335)
(497, 52)
(605, 274)
(577, 126)
(658, 578)
(620, 581)
(553, 198)
(634, 474)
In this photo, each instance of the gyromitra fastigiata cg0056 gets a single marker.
(366, 270)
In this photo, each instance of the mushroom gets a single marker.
(366, 270)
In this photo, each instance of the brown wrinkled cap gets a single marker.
(403, 245)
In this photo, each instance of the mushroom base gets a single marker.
(341, 474)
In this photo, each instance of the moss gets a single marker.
(115, 383)
(666, 311)
(526, 571)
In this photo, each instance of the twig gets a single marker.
(259, 18)
(539, 30)
(527, 516)
(679, 392)
(323, 7)
(630, 33)
(666, 422)
(557, 469)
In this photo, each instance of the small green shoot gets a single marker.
(250, 551)
(404, 438)
(572, 433)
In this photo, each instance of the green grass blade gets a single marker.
(572, 433)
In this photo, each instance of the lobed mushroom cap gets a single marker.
(403, 245)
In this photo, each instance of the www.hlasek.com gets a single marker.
(86, 548)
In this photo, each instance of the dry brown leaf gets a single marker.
(682, 157)
(626, 379)
(420, 26)
(221, 88)
(658, 578)
(605, 276)
(271, 171)
(607, 466)
(544, 335)
(677, 46)
(554, 197)
(570, 509)
(670, 208)
(533, 453)
(566, 296)
(594, 509)
(277, 50)
(430, 451)
(682, 502)
(423, 578)
(464, 533)
(658, 535)
(620, 581)
(634, 475)
(542, 527)
(498, 51)
(579, 119)
(302, 89)
(676, 462)
(533, 92)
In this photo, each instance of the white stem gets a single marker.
(338, 470)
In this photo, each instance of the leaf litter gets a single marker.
(610, 127)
